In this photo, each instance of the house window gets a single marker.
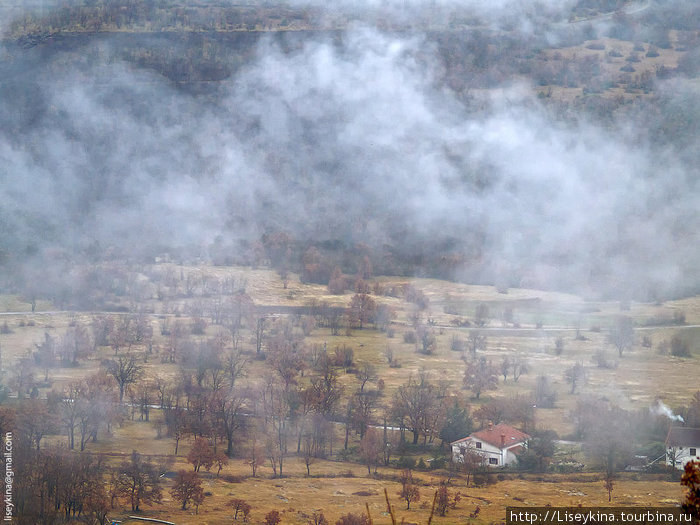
(478, 444)
(493, 461)
(693, 452)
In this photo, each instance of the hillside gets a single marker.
(276, 121)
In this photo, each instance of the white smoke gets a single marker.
(662, 410)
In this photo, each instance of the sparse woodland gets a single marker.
(225, 392)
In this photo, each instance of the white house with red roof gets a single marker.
(682, 446)
(499, 445)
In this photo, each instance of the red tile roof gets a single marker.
(500, 434)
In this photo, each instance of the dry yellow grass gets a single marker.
(297, 497)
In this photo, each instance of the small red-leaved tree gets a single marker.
(272, 518)
(201, 455)
(409, 490)
(444, 501)
(187, 487)
(240, 507)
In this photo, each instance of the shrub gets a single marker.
(272, 518)
(353, 519)
(559, 346)
(602, 360)
(198, 326)
(457, 344)
(239, 506)
(596, 46)
(344, 356)
(438, 463)
(680, 347)
(406, 462)
(409, 337)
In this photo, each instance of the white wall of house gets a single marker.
(493, 456)
(682, 455)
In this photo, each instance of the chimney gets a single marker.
(503, 440)
(490, 425)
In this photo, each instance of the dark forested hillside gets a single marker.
(132, 129)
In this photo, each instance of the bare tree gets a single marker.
(544, 394)
(308, 450)
(608, 481)
(260, 325)
(276, 411)
(371, 448)
(576, 375)
(138, 481)
(506, 365)
(367, 372)
(413, 406)
(409, 492)
(34, 421)
(235, 365)
(481, 315)
(227, 407)
(559, 345)
(476, 341)
(175, 420)
(622, 334)
(255, 451)
(480, 375)
(519, 367)
(125, 371)
(609, 431)
(472, 461)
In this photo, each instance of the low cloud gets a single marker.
(351, 140)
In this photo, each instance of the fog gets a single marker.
(352, 140)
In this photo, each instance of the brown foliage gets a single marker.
(201, 455)
(187, 487)
(241, 506)
(353, 519)
(409, 490)
(691, 479)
